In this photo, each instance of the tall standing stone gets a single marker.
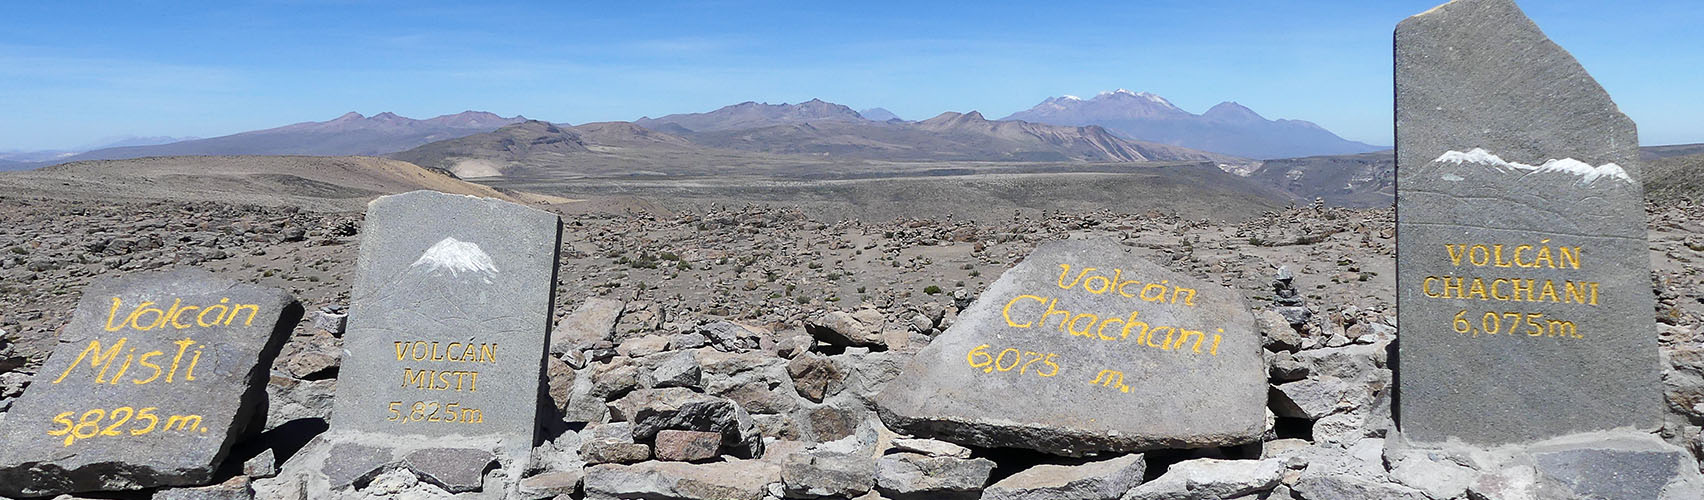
(447, 329)
(1523, 278)
(152, 382)
(1085, 348)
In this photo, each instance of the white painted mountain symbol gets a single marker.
(457, 258)
(1585, 171)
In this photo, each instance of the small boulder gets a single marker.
(819, 474)
(1211, 478)
(909, 475)
(1102, 480)
(816, 377)
(592, 321)
(456, 470)
(844, 329)
(687, 446)
(733, 480)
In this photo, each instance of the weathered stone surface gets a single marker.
(687, 446)
(559, 383)
(236, 488)
(1351, 488)
(263, 465)
(613, 443)
(1620, 467)
(350, 464)
(289, 399)
(456, 470)
(654, 410)
(332, 322)
(735, 480)
(1008, 373)
(727, 336)
(460, 288)
(1102, 480)
(681, 369)
(816, 377)
(1210, 478)
(818, 474)
(909, 475)
(639, 347)
(552, 484)
(609, 452)
(592, 321)
(1436, 478)
(1316, 398)
(931, 447)
(845, 329)
(1513, 164)
(151, 383)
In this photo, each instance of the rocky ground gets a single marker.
(738, 320)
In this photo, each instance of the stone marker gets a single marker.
(1085, 348)
(1523, 281)
(152, 382)
(446, 338)
(449, 318)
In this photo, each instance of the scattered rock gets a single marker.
(844, 329)
(734, 480)
(909, 475)
(929, 447)
(592, 321)
(816, 377)
(687, 446)
(552, 484)
(1102, 480)
(819, 474)
(1210, 478)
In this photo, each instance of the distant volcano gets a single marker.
(1227, 128)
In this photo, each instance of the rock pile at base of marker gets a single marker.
(153, 381)
(1084, 348)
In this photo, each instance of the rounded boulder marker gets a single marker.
(1085, 348)
(152, 382)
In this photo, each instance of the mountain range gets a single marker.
(815, 131)
(350, 134)
(1119, 126)
(1228, 128)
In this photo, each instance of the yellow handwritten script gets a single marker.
(103, 359)
(1031, 311)
(1513, 289)
(148, 316)
(1100, 284)
(989, 363)
(89, 424)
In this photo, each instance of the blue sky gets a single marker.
(73, 73)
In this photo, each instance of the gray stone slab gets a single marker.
(1514, 168)
(449, 318)
(153, 380)
(1131, 357)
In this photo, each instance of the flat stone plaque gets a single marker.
(152, 382)
(1523, 278)
(1085, 348)
(449, 318)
